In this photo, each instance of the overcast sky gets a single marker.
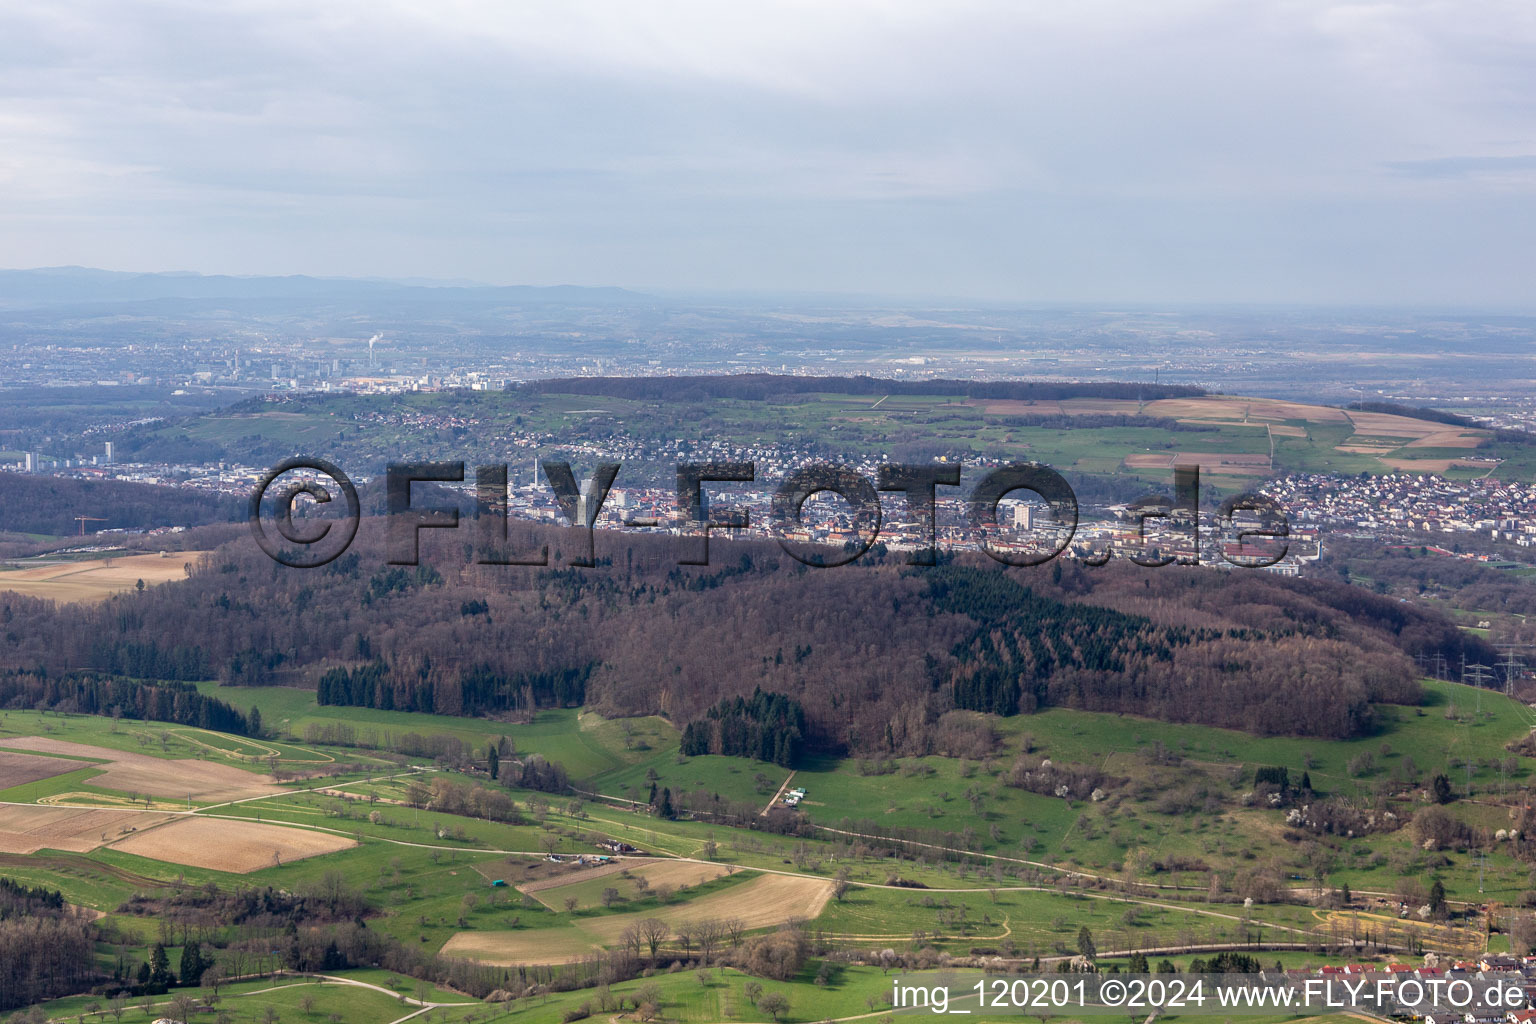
(1061, 151)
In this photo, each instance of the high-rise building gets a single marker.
(1023, 516)
(31, 462)
(110, 453)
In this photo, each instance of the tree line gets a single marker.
(765, 726)
(477, 690)
(92, 694)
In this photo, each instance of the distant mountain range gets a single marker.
(78, 286)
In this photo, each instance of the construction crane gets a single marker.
(82, 520)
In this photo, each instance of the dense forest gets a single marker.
(45, 945)
(48, 505)
(874, 654)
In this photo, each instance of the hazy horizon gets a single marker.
(1106, 304)
(1201, 152)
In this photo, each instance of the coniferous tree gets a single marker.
(160, 975)
(1441, 787)
(192, 964)
(1085, 944)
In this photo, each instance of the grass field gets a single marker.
(300, 999)
(734, 778)
(586, 744)
(721, 996)
(161, 740)
(1458, 723)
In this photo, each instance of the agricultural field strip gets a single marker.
(759, 902)
(291, 792)
(1171, 907)
(56, 756)
(271, 751)
(574, 878)
(69, 828)
(1067, 871)
(651, 859)
(19, 768)
(155, 776)
(792, 874)
(530, 853)
(92, 580)
(421, 770)
(204, 842)
(1070, 872)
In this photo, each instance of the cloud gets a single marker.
(890, 145)
(1509, 168)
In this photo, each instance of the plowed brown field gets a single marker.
(236, 846)
(760, 903)
(156, 776)
(20, 769)
(29, 828)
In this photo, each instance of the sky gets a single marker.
(1085, 151)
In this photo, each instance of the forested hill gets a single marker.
(762, 386)
(874, 653)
